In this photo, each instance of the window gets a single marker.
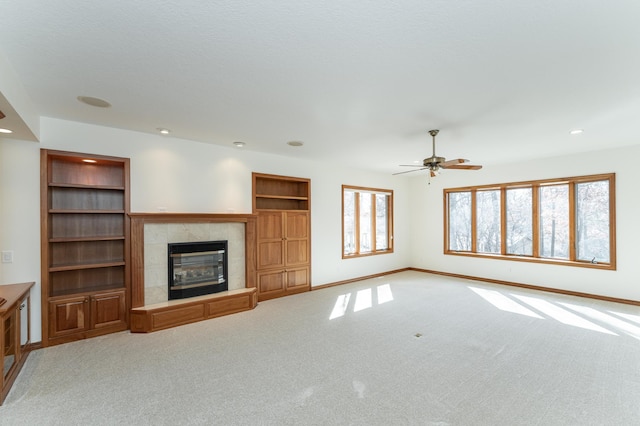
(535, 221)
(367, 221)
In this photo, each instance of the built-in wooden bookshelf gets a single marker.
(282, 204)
(85, 245)
(273, 192)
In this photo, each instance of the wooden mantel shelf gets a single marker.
(169, 314)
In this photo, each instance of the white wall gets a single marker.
(427, 219)
(185, 176)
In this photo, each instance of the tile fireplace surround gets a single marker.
(150, 235)
(157, 237)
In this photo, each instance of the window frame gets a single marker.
(536, 257)
(357, 190)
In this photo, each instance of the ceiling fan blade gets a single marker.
(446, 164)
(463, 167)
(409, 171)
(411, 165)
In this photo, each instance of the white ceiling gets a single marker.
(360, 82)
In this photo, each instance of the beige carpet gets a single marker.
(406, 349)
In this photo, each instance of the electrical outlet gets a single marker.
(7, 256)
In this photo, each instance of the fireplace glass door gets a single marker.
(197, 268)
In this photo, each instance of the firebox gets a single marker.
(197, 268)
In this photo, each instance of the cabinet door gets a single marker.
(68, 316)
(270, 240)
(8, 347)
(297, 279)
(297, 238)
(25, 329)
(271, 284)
(108, 309)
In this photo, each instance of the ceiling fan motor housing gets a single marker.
(433, 162)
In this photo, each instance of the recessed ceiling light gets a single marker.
(163, 131)
(576, 131)
(239, 144)
(295, 143)
(95, 102)
(6, 131)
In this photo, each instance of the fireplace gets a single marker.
(197, 268)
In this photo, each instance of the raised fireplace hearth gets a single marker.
(151, 309)
(197, 268)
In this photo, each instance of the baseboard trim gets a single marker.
(352, 280)
(530, 286)
(35, 346)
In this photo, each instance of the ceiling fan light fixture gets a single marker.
(434, 163)
(239, 144)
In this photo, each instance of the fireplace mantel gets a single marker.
(138, 221)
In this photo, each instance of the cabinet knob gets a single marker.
(24, 305)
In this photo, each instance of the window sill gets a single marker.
(375, 253)
(518, 258)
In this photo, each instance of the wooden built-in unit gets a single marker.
(84, 244)
(282, 204)
(15, 332)
(158, 316)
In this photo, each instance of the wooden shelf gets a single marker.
(281, 197)
(88, 291)
(77, 211)
(85, 266)
(273, 192)
(84, 186)
(85, 250)
(77, 239)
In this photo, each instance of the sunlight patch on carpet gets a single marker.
(630, 317)
(339, 309)
(630, 329)
(562, 315)
(384, 294)
(363, 300)
(504, 303)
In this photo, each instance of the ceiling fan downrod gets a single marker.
(433, 134)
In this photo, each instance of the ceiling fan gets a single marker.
(435, 163)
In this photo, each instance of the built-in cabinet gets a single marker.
(15, 335)
(283, 234)
(85, 245)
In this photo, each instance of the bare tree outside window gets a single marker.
(349, 222)
(382, 241)
(554, 221)
(460, 221)
(593, 221)
(367, 222)
(519, 221)
(564, 221)
(488, 217)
